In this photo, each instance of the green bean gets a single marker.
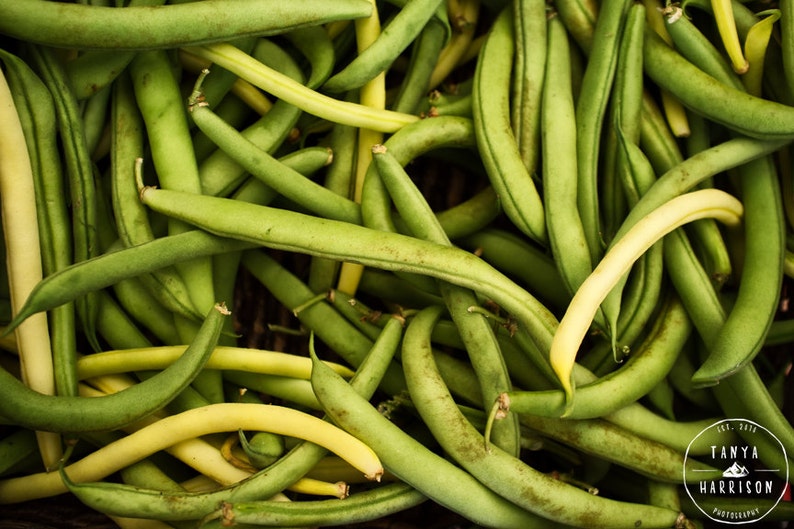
(263, 449)
(94, 114)
(105, 270)
(395, 290)
(564, 224)
(132, 221)
(580, 19)
(475, 331)
(79, 170)
(287, 230)
(742, 334)
(338, 178)
(736, 110)
(115, 325)
(602, 439)
(293, 390)
(407, 144)
(94, 70)
(144, 308)
(76, 414)
(286, 181)
(424, 55)
(36, 111)
(508, 476)
(590, 110)
(530, 67)
(412, 462)
(698, 49)
(498, 148)
(218, 172)
(470, 216)
(160, 101)
(395, 37)
(86, 27)
(359, 507)
(786, 34)
(653, 359)
(315, 44)
(15, 448)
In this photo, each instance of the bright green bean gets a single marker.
(76, 414)
(81, 26)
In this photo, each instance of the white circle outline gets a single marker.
(785, 459)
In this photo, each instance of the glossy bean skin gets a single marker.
(89, 27)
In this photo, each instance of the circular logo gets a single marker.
(735, 471)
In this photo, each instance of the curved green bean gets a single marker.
(84, 26)
(742, 334)
(28, 408)
(735, 109)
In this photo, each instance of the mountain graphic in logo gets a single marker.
(735, 471)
